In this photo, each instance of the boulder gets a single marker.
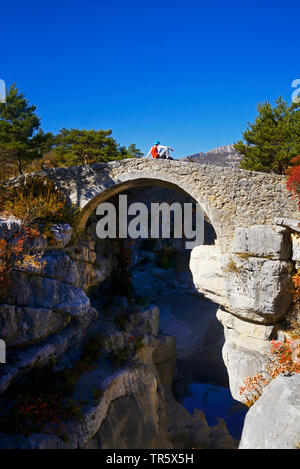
(255, 288)
(147, 321)
(273, 421)
(246, 328)
(291, 223)
(296, 249)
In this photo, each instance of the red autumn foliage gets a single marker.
(286, 359)
(12, 254)
(293, 182)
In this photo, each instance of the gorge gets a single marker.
(83, 293)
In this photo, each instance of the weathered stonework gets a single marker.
(230, 197)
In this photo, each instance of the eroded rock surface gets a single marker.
(273, 421)
(252, 281)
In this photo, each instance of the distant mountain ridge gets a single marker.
(225, 155)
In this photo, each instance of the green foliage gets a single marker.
(25, 147)
(273, 139)
(78, 147)
(21, 138)
(131, 152)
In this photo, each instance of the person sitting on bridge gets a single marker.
(160, 151)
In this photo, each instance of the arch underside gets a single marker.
(124, 186)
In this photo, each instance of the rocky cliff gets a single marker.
(121, 368)
(253, 285)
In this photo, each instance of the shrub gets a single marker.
(13, 256)
(37, 200)
(293, 182)
(285, 359)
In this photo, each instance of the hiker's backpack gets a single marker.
(154, 152)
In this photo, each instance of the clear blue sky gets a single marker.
(188, 73)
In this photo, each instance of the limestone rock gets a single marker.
(21, 326)
(207, 274)
(133, 411)
(48, 293)
(59, 266)
(62, 234)
(258, 289)
(51, 348)
(262, 241)
(296, 249)
(292, 223)
(147, 321)
(8, 227)
(246, 328)
(242, 362)
(273, 421)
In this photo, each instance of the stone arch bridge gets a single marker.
(230, 197)
(248, 270)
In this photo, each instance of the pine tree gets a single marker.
(273, 139)
(79, 147)
(20, 133)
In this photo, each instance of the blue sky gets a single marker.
(188, 73)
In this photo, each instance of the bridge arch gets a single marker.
(124, 186)
(230, 197)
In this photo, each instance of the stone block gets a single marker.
(262, 241)
(258, 289)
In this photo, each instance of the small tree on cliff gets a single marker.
(21, 138)
(273, 139)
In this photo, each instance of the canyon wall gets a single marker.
(252, 284)
(125, 398)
